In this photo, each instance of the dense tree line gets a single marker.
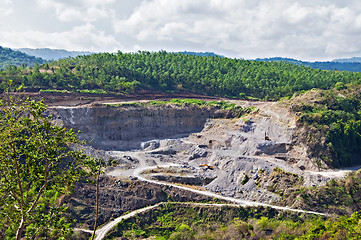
(127, 72)
(9, 57)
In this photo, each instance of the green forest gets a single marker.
(171, 72)
(9, 57)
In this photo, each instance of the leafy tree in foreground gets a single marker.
(37, 166)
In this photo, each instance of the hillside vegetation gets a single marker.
(174, 221)
(9, 57)
(332, 120)
(341, 197)
(216, 76)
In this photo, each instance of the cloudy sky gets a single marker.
(302, 29)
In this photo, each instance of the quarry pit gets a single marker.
(204, 148)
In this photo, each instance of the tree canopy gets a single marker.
(217, 76)
(37, 165)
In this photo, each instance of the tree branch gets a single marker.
(42, 188)
(23, 215)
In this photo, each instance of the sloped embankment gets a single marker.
(117, 197)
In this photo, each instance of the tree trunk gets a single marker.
(96, 205)
(20, 228)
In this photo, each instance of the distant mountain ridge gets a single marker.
(9, 57)
(348, 60)
(52, 54)
(338, 65)
(201, 54)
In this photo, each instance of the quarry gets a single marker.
(200, 147)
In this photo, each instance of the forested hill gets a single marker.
(9, 57)
(127, 72)
(339, 65)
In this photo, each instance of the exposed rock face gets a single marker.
(122, 128)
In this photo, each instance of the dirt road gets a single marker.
(243, 203)
(101, 233)
(142, 166)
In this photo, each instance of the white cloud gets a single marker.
(84, 38)
(252, 28)
(306, 29)
(6, 7)
(84, 10)
(97, 2)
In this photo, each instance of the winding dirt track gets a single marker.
(243, 203)
(100, 233)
